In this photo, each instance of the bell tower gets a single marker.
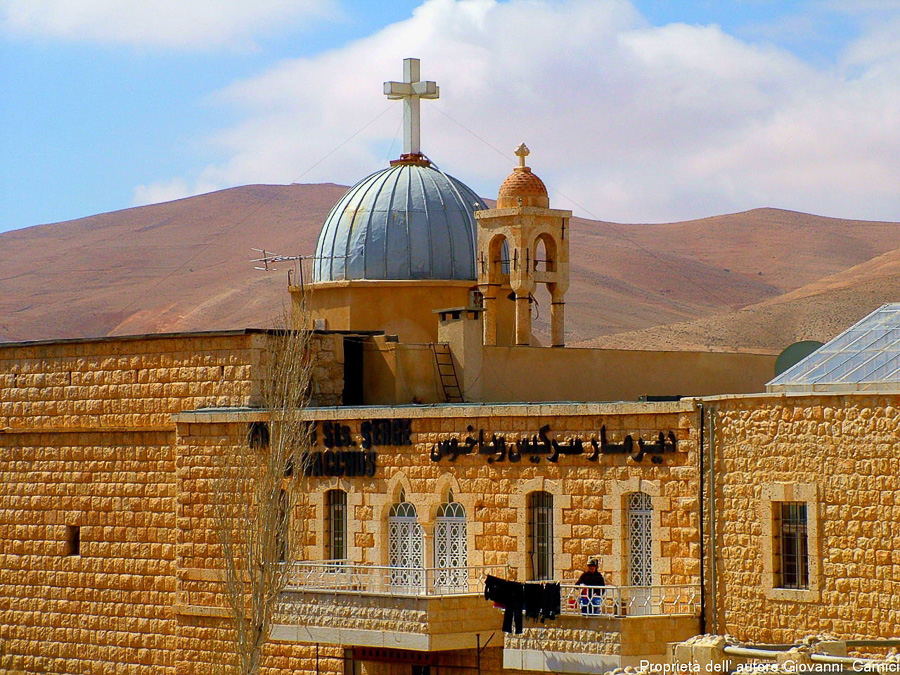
(523, 242)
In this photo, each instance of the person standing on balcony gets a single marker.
(592, 595)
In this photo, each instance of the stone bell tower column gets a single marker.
(523, 242)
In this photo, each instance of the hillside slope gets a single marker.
(817, 311)
(185, 265)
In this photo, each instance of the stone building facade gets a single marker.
(109, 556)
(107, 472)
(832, 459)
(90, 502)
(449, 457)
(435, 465)
(110, 452)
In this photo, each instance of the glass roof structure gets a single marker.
(864, 357)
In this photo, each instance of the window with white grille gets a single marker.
(405, 546)
(451, 546)
(639, 539)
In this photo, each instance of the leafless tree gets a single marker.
(258, 490)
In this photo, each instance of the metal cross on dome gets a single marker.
(410, 91)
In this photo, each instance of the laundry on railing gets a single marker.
(537, 601)
(509, 596)
(542, 600)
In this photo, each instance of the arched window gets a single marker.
(405, 547)
(335, 525)
(640, 564)
(498, 258)
(540, 535)
(544, 254)
(640, 559)
(450, 546)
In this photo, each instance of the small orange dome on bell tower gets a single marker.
(522, 187)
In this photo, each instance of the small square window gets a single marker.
(73, 540)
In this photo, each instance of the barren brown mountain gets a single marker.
(818, 311)
(184, 265)
(181, 265)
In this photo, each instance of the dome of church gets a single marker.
(522, 187)
(409, 221)
(522, 184)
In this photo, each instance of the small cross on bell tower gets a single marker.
(410, 91)
(522, 152)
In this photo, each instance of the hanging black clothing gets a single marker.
(551, 601)
(493, 589)
(512, 618)
(534, 600)
(511, 596)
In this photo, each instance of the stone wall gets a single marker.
(327, 376)
(601, 643)
(97, 437)
(589, 501)
(202, 633)
(124, 383)
(383, 620)
(111, 603)
(838, 454)
(589, 496)
(88, 447)
(569, 634)
(138, 382)
(203, 647)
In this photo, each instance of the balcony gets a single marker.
(621, 601)
(431, 610)
(420, 609)
(605, 628)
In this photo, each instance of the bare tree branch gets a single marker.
(258, 490)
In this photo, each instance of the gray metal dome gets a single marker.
(409, 221)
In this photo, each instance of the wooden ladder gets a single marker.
(447, 372)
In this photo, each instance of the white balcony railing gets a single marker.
(339, 575)
(343, 576)
(630, 600)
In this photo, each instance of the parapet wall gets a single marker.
(137, 382)
(546, 374)
(399, 373)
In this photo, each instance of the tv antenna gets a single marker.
(268, 261)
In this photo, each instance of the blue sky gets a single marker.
(642, 111)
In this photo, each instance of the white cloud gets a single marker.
(193, 24)
(878, 48)
(633, 122)
(163, 191)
